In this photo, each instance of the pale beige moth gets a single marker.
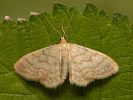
(51, 65)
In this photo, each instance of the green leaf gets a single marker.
(92, 29)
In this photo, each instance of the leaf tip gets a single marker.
(102, 13)
(7, 18)
(58, 3)
(90, 9)
(119, 18)
(72, 8)
(34, 14)
(45, 13)
(59, 8)
(21, 19)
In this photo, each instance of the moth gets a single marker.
(51, 65)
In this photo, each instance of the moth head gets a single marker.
(63, 40)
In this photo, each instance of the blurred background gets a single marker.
(21, 8)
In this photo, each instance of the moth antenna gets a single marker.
(70, 20)
(53, 26)
(64, 31)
